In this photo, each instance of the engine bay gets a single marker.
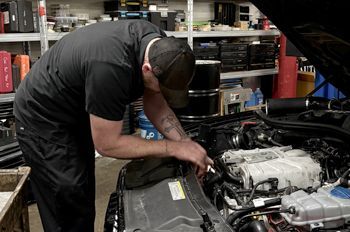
(280, 172)
(299, 160)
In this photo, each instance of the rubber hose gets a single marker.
(253, 226)
(235, 179)
(290, 105)
(308, 126)
(240, 213)
(297, 105)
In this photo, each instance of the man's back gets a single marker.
(93, 69)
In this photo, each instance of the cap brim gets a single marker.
(175, 98)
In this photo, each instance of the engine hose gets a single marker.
(346, 173)
(296, 105)
(290, 210)
(226, 202)
(344, 179)
(216, 193)
(227, 173)
(233, 192)
(275, 143)
(256, 186)
(253, 226)
(242, 212)
(290, 105)
(313, 127)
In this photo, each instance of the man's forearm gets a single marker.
(163, 118)
(108, 141)
(171, 128)
(167, 124)
(131, 147)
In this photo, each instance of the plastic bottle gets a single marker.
(252, 100)
(259, 97)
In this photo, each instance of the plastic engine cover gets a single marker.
(292, 167)
(320, 209)
(173, 204)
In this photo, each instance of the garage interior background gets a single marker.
(236, 89)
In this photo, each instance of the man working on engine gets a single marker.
(73, 100)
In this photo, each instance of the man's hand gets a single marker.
(191, 151)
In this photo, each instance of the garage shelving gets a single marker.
(223, 76)
(233, 33)
(7, 97)
(22, 37)
(245, 74)
(32, 37)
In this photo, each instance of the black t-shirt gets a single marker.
(93, 70)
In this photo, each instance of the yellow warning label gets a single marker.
(176, 190)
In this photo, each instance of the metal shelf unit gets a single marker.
(45, 36)
(233, 33)
(22, 37)
(7, 97)
(244, 74)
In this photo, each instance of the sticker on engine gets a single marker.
(176, 190)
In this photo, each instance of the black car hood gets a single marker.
(319, 29)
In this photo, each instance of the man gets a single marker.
(73, 100)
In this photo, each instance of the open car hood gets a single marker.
(319, 30)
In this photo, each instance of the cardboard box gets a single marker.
(13, 207)
(232, 100)
(305, 83)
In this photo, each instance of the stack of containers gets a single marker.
(234, 57)
(262, 56)
(203, 93)
(206, 51)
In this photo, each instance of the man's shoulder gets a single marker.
(144, 27)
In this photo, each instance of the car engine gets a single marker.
(281, 169)
(286, 172)
(284, 165)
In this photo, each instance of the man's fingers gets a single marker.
(209, 161)
(201, 165)
(195, 153)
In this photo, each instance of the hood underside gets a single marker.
(319, 30)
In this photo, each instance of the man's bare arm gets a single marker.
(108, 141)
(162, 117)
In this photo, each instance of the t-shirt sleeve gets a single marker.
(107, 87)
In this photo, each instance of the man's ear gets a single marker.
(146, 67)
(150, 81)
